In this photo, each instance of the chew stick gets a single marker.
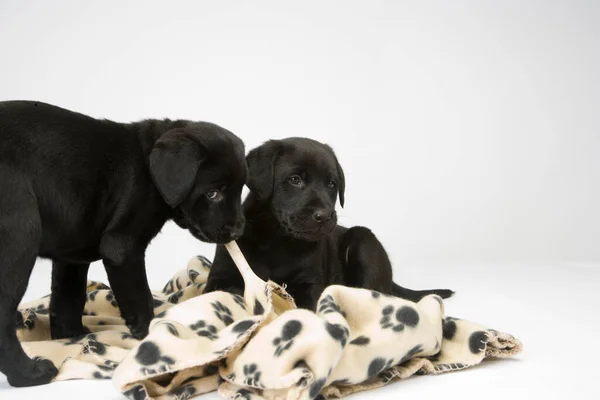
(239, 260)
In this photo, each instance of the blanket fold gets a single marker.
(260, 346)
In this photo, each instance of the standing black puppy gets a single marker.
(291, 233)
(75, 189)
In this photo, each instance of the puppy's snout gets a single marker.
(236, 230)
(322, 215)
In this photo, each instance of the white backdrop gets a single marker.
(469, 130)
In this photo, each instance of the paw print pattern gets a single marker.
(378, 365)
(157, 303)
(172, 286)
(136, 393)
(111, 299)
(328, 305)
(404, 316)
(477, 342)
(222, 312)
(41, 309)
(184, 392)
(252, 375)
(338, 332)
(27, 322)
(411, 353)
(290, 330)
(205, 330)
(94, 347)
(193, 274)
(149, 354)
(449, 328)
(174, 298)
(239, 300)
(92, 295)
(244, 394)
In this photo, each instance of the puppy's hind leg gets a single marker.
(368, 266)
(20, 234)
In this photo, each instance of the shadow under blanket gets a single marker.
(261, 346)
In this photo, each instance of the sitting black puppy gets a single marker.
(76, 189)
(291, 233)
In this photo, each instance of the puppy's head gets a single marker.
(200, 171)
(300, 179)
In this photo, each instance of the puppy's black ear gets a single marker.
(261, 168)
(341, 176)
(174, 163)
(341, 183)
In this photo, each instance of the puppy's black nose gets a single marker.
(236, 230)
(322, 216)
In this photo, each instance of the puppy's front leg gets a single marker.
(67, 300)
(126, 271)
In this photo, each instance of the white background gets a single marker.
(468, 130)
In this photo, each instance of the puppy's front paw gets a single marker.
(139, 331)
(40, 372)
(58, 331)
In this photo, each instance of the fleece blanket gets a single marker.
(260, 346)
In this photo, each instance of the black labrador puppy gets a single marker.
(291, 233)
(76, 189)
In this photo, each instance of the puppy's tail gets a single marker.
(416, 295)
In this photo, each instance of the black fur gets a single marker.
(291, 234)
(76, 189)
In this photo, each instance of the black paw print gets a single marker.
(41, 309)
(149, 354)
(405, 316)
(222, 312)
(252, 375)
(169, 287)
(411, 353)
(290, 330)
(92, 295)
(157, 303)
(244, 394)
(174, 298)
(27, 323)
(328, 305)
(205, 261)
(378, 365)
(449, 328)
(338, 332)
(111, 298)
(239, 300)
(136, 393)
(205, 330)
(184, 392)
(193, 274)
(94, 347)
(108, 365)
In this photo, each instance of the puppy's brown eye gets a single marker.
(331, 185)
(295, 180)
(213, 195)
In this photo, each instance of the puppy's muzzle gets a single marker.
(233, 231)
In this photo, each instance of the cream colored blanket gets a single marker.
(261, 346)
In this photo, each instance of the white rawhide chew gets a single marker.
(239, 259)
(242, 265)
